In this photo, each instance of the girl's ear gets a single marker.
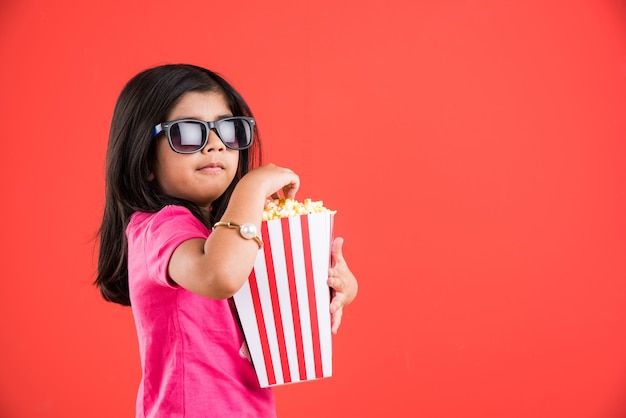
(150, 176)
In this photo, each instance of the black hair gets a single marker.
(144, 102)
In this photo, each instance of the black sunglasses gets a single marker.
(187, 136)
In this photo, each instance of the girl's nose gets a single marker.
(214, 143)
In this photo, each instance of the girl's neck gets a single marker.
(206, 212)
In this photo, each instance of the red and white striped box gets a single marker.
(284, 305)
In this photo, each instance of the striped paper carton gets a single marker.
(284, 305)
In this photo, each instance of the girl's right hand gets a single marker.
(274, 179)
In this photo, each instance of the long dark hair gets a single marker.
(144, 102)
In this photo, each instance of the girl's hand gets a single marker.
(343, 283)
(272, 179)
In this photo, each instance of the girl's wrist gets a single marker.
(245, 206)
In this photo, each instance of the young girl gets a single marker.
(183, 155)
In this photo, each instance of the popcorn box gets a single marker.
(284, 305)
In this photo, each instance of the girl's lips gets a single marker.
(212, 167)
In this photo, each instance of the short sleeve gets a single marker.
(153, 237)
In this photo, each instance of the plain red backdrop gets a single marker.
(475, 151)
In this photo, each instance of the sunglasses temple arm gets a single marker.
(157, 130)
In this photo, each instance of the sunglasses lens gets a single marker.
(188, 137)
(235, 133)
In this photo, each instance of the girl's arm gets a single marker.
(218, 266)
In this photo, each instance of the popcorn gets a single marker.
(287, 208)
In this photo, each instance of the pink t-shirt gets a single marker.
(193, 357)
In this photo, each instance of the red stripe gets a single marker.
(293, 292)
(256, 302)
(278, 319)
(317, 351)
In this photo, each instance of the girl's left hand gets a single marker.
(343, 283)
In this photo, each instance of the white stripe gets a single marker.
(303, 295)
(319, 227)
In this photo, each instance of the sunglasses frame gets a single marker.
(165, 127)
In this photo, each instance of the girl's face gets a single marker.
(203, 176)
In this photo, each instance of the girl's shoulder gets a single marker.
(169, 211)
(172, 215)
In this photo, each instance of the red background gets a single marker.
(475, 151)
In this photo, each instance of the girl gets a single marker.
(183, 155)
